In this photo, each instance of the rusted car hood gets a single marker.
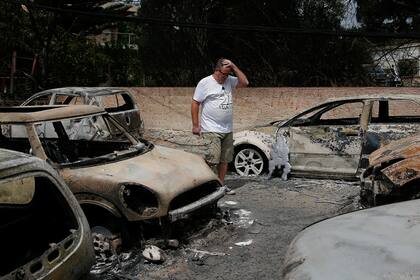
(400, 149)
(377, 243)
(164, 170)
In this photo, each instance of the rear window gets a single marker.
(116, 102)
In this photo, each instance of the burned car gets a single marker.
(332, 139)
(376, 243)
(117, 102)
(114, 180)
(44, 233)
(393, 173)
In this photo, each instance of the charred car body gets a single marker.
(376, 243)
(393, 173)
(334, 138)
(114, 180)
(119, 103)
(44, 231)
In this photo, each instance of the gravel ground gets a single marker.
(248, 237)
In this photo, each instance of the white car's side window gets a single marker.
(348, 111)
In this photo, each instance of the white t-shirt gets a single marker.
(216, 102)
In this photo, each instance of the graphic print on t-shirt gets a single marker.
(227, 100)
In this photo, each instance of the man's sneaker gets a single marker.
(229, 190)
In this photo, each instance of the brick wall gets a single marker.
(169, 108)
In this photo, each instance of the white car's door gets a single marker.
(329, 142)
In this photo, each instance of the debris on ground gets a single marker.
(242, 218)
(244, 243)
(202, 252)
(154, 254)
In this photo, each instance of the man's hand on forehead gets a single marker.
(227, 63)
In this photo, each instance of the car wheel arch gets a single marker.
(263, 147)
(87, 199)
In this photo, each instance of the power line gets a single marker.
(229, 27)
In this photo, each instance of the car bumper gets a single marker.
(185, 211)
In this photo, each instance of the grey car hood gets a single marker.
(378, 243)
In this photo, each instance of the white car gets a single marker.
(332, 139)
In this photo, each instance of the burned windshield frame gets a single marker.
(65, 148)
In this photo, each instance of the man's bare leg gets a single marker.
(222, 169)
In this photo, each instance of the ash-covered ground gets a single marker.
(247, 238)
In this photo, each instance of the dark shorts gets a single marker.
(219, 147)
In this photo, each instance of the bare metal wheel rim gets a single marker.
(249, 162)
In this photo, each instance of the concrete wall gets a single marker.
(169, 108)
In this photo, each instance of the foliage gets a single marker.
(170, 55)
(66, 56)
(181, 56)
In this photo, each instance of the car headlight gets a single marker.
(139, 199)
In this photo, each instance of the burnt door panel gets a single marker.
(326, 149)
(331, 143)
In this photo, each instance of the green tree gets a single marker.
(65, 55)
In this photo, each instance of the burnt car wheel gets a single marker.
(107, 229)
(249, 161)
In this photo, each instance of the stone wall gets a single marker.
(169, 108)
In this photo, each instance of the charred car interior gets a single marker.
(32, 201)
(75, 140)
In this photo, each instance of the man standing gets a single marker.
(214, 94)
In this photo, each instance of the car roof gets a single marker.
(376, 97)
(7, 155)
(29, 114)
(81, 91)
(11, 160)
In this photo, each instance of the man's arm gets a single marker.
(195, 108)
(242, 79)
